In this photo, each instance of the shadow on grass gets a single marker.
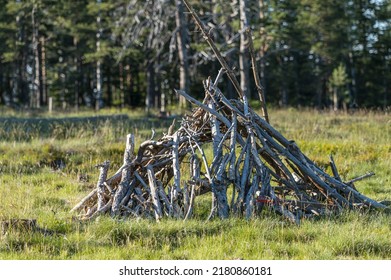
(25, 129)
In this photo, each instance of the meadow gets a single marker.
(47, 165)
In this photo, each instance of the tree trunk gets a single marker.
(121, 84)
(76, 61)
(283, 86)
(157, 90)
(182, 39)
(109, 88)
(2, 85)
(386, 85)
(129, 85)
(35, 101)
(43, 83)
(150, 98)
(243, 55)
(319, 85)
(335, 98)
(98, 99)
(263, 47)
(353, 83)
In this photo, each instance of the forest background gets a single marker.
(129, 53)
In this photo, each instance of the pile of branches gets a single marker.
(251, 158)
(251, 161)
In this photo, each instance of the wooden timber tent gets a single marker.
(259, 166)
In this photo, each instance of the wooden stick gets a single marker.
(250, 197)
(232, 145)
(100, 211)
(189, 212)
(87, 198)
(132, 185)
(205, 107)
(219, 57)
(256, 76)
(129, 150)
(146, 187)
(175, 162)
(154, 194)
(359, 178)
(219, 190)
(334, 168)
(121, 191)
(103, 168)
(282, 210)
(126, 175)
(165, 199)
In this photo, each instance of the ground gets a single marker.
(47, 165)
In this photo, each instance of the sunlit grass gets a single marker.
(32, 187)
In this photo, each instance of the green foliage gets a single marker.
(339, 78)
(298, 45)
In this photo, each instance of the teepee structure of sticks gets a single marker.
(252, 167)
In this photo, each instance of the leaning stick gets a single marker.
(175, 162)
(128, 156)
(250, 197)
(154, 194)
(102, 210)
(220, 58)
(359, 178)
(191, 204)
(334, 169)
(256, 76)
(126, 175)
(104, 167)
(232, 145)
(84, 200)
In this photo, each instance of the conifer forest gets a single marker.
(129, 53)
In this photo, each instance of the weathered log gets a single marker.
(103, 168)
(154, 194)
(121, 191)
(175, 162)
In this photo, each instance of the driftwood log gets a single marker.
(251, 161)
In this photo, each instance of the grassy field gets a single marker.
(42, 158)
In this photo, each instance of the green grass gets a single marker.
(32, 187)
